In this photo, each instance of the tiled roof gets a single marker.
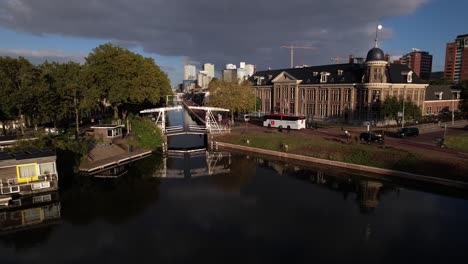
(433, 91)
(352, 73)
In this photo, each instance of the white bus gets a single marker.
(284, 121)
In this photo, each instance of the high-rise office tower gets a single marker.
(456, 59)
(190, 72)
(209, 69)
(420, 62)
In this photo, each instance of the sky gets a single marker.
(177, 32)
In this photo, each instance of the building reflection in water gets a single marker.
(194, 164)
(30, 212)
(367, 191)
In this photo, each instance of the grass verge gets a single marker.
(458, 142)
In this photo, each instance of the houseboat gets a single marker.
(25, 173)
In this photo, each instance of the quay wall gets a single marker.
(349, 166)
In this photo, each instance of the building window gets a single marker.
(323, 110)
(323, 95)
(340, 72)
(409, 78)
(348, 95)
(293, 92)
(26, 172)
(429, 109)
(335, 93)
(315, 74)
(335, 110)
(323, 77)
(310, 109)
(47, 168)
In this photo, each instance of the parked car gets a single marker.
(371, 137)
(379, 133)
(408, 132)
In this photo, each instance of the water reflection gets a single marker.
(114, 200)
(219, 206)
(195, 164)
(25, 217)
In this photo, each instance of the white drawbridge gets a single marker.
(211, 124)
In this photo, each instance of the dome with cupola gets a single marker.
(375, 54)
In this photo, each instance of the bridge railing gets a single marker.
(174, 129)
(195, 128)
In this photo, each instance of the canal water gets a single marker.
(222, 207)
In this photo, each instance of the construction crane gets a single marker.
(292, 47)
(338, 59)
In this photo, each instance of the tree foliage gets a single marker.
(55, 92)
(20, 81)
(233, 96)
(123, 78)
(392, 105)
(146, 134)
(463, 107)
(67, 92)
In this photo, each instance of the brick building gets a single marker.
(456, 59)
(350, 92)
(441, 98)
(420, 63)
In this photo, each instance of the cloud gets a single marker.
(216, 31)
(39, 56)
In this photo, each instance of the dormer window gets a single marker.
(270, 77)
(340, 72)
(259, 79)
(438, 95)
(409, 76)
(315, 74)
(323, 77)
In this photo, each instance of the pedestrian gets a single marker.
(347, 135)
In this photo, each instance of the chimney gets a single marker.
(387, 57)
(351, 59)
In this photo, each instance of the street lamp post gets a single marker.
(453, 109)
(403, 114)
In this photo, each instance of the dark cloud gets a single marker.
(216, 31)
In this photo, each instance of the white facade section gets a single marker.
(231, 66)
(189, 72)
(250, 69)
(210, 70)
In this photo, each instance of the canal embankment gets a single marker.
(344, 165)
(329, 148)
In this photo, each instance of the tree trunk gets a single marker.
(77, 118)
(116, 112)
(21, 123)
(3, 127)
(124, 114)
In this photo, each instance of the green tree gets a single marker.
(67, 91)
(124, 78)
(392, 105)
(463, 106)
(20, 80)
(233, 96)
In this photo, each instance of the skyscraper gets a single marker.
(209, 69)
(190, 72)
(456, 59)
(420, 63)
